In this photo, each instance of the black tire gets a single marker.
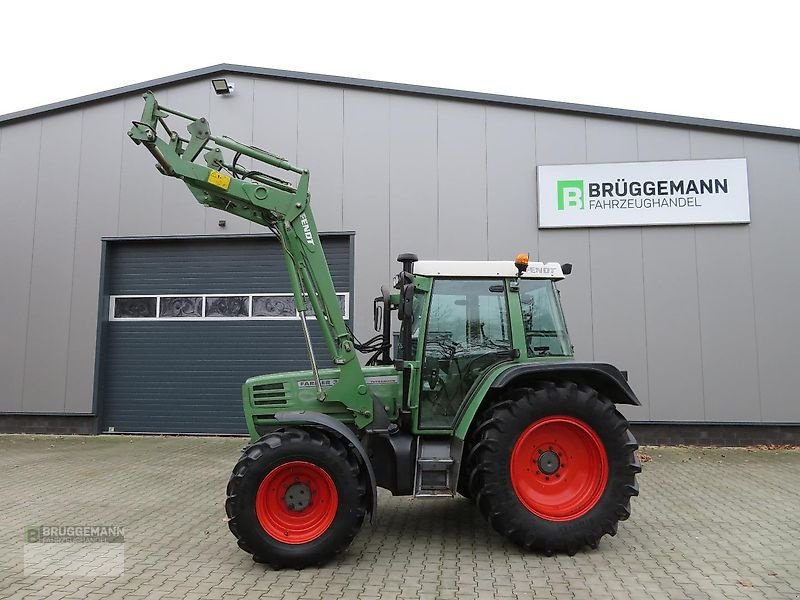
(273, 450)
(489, 473)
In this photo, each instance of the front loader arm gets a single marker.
(282, 207)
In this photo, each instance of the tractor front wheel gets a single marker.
(553, 467)
(296, 498)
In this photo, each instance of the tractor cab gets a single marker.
(461, 319)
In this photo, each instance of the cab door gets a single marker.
(467, 331)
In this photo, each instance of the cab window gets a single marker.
(467, 332)
(545, 330)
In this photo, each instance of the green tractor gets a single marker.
(478, 394)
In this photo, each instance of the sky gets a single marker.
(732, 61)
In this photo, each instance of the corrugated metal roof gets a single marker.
(418, 90)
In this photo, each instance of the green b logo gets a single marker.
(31, 534)
(570, 194)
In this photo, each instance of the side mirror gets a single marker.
(406, 299)
(566, 268)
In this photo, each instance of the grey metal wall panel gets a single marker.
(19, 167)
(413, 188)
(706, 144)
(462, 182)
(673, 325)
(51, 269)
(662, 143)
(366, 195)
(275, 106)
(611, 141)
(727, 310)
(319, 149)
(186, 377)
(97, 212)
(562, 139)
(727, 325)
(180, 212)
(618, 319)
(511, 182)
(775, 178)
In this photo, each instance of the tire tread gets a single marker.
(487, 457)
(297, 438)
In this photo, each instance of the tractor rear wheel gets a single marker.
(553, 467)
(296, 498)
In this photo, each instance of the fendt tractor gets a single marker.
(478, 394)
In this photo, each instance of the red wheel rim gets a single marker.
(296, 502)
(559, 468)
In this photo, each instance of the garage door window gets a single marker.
(233, 307)
(180, 307)
(134, 308)
(199, 307)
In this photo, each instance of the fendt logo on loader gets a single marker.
(306, 229)
(570, 194)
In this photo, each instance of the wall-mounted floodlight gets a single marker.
(221, 86)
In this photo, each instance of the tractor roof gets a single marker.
(486, 268)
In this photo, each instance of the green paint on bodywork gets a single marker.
(266, 395)
(477, 395)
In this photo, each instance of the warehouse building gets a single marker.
(127, 307)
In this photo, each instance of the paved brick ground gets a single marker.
(722, 523)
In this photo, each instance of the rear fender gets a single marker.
(605, 378)
(306, 418)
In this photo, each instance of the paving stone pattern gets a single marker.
(709, 523)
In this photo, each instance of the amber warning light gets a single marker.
(521, 262)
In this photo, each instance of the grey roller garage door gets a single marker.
(187, 321)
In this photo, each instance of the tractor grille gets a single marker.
(269, 394)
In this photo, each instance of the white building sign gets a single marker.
(644, 193)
